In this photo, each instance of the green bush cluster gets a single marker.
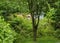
(8, 7)
(21, 25)
(57, 34)
(13, 6)
(7, 35)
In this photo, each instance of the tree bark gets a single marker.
(34, 34)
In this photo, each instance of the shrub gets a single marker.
(57, 33)
(21, 25)
(7, 35)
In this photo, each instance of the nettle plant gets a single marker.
(7, 35)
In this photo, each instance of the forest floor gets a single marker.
(44, 40)
(39, 41)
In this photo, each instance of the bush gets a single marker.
(21, 25)
(45, 28)
(57, 33)
(7, 35)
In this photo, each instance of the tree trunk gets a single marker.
(34, 34)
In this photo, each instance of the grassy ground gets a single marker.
(42, 40)
(45, 40)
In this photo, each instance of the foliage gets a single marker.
(17, 29)
(9, 7)
(45, 28)
(7, 35)
(57, 34)
(56, 15)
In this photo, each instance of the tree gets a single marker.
(35, 7)
(56, 16)
(9, 7)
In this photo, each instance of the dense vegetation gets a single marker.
(17, 27)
